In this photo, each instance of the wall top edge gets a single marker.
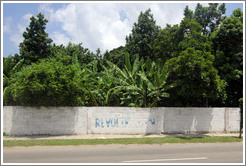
(119, 107)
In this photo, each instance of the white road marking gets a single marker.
(134, 161)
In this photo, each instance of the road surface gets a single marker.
(155, 153)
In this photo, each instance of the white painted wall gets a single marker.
(44, 120)
(124, 120)
(188, 120)
(117, 120)
(234, 119)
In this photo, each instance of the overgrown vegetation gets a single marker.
(198, 62)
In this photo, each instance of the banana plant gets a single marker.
(97, 84)
(8, 72)
(154, 78)
(127, 82)
(141, 84)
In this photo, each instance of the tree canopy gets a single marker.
(36, 44)
(198, 62)
(140, 41)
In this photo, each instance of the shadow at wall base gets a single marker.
(187, 132)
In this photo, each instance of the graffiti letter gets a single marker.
(97, 121)
(116, 122)
(108, 122)
(102, 123)
(152, 121)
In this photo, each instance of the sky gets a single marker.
(95, 25)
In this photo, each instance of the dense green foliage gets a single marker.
(140, 41)
(197, 81)
(48, 82)
(209, 17)
(198, 62)
(140, 84)
(10, 68)
(228, 51)
(36, 44)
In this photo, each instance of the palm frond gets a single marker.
(164, 73)
(6, 93)
(17, 67)
(128, 62)
(144, 78)
(5, 80)
(152, 69)
(7, 66)
(118, 70)
(135, 66)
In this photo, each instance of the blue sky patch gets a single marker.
(87, 23)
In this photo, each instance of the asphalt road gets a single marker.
(125, 154)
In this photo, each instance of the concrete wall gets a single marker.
(183, 120)
(43, 120)
(124, 120)
(233, 119)
(117, 120)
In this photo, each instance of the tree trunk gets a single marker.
(241, 117)
(241, 123)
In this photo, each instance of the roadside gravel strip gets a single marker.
(100, 136)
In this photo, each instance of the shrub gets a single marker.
(48, 83)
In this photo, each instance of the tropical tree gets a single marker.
(190, 35)
(36, 44)
(127, 81)
(116, 56)
(228, 51)
(100, 83)
(209, 17)
(188, 13)
(84, 55)
(172, 40)
(166, 43)
(198, 62)
(144, 32)
(154, 78)
(197, 81)
(9, 70)
(141, 84)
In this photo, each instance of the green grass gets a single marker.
(160, 140)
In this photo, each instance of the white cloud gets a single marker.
(15, 35)
(27, 17)
(16, 38)
(7, 25)
(25, 22)
(98, 25)
(114, 34)
(59, 38)
(46, 9)
(21, 28)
